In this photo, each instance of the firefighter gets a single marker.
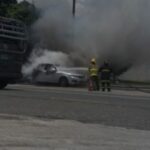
(93, 74)
(105, 75)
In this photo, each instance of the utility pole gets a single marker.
(74, 8)
(33, 2)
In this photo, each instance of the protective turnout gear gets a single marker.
(105, 75)
(93, 70)
(93, 60)
(93, 75)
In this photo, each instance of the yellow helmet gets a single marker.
(93, 60)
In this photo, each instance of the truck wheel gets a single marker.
(2, 85)
(63, 82)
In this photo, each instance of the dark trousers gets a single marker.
(106, 84)
(95, 82)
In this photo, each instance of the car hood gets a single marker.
(79, 72)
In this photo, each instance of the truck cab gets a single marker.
(13, 43)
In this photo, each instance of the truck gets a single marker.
(13, 45)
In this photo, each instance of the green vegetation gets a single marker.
(135, 82)
(23, 11)
(5, 5)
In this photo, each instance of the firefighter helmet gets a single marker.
(93, 60)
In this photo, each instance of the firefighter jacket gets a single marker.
(93, 70)
(105, 72)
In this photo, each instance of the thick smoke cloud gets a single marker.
(116, 30)
(40, 56)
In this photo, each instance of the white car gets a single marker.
(49, 73)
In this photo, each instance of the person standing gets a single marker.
(105, 76)
(93, 74)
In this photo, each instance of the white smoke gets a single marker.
(137, 73)
(40, 56)
(117, 30)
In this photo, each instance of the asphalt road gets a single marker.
(129, 109)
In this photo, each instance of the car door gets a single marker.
(51, 74)
(46, 73)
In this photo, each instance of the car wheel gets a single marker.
(63, 82)
(3, 85)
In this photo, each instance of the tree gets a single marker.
(23, 11)
(4, 5)
(8, 2)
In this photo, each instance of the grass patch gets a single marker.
(135, 82)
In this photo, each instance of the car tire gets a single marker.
(3, 85)
(63, 82)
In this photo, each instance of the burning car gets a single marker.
(49, 73)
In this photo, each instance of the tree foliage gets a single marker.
(23, 11)
(8, 2)
(4, 5)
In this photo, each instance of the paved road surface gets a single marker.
(129, 109)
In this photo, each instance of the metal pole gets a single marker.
(74, 8)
